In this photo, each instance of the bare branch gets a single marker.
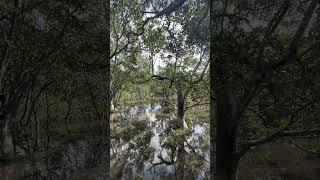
(291, 52)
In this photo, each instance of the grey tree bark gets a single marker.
(227, 119)
(7, 145)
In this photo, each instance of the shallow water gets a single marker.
(67, 162)
(160, 140)
(139, 135)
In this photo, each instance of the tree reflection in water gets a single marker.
(69, 159)
(147, 145)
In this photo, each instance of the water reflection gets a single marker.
(67, 160)
(146, 145)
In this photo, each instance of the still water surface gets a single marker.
(146, 145)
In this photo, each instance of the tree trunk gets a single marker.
(180, 172)
(37, 135)
(180, 109)
(7, 145)
(227, 124)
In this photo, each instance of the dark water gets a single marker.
(142, 136)
(279, 161)
(74, 160)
